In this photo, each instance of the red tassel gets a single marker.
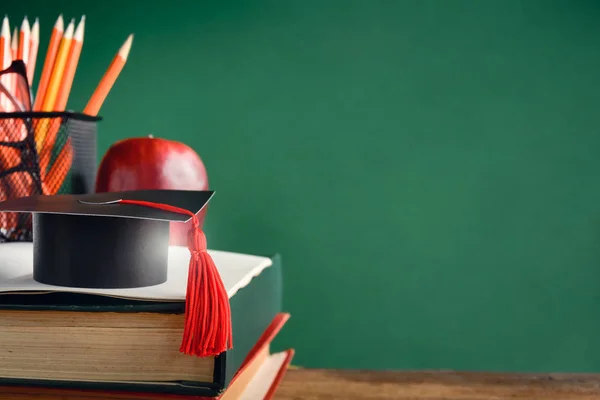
(207, 330)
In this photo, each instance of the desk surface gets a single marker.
(308, 384)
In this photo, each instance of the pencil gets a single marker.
(70, 67)
(55, 80)
(33, 50)
(48, 97)
(55, 38)
(24, 41)
(4, 44)
(5, 60)
(109, 78)
(59, 170)
(54, 83)
(59, 68)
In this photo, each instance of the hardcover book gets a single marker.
(258, 378)
(126, 339)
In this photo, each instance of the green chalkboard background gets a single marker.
(429, 170)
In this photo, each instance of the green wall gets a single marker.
(429, 170)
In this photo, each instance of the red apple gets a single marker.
(152, 163)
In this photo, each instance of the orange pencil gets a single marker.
(5, 60)
(59, 68)
(3, 39)
(109, 78)
(70, 67)
(24, 41)
(34, 43)
(62, 165)
(55, 81)
(5, 54)
(55, 38)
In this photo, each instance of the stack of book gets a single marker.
(79, 343)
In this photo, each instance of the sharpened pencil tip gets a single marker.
(35, 31)
(60, 23)
(25, 24)
(5, 27)
(78, 36)
(124, 50)
(69, 31)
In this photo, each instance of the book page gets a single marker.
(236, 270)
(265, 377)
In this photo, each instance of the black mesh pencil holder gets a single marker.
(43, 153)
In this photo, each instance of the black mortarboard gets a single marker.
(120, 240)
(93, 241)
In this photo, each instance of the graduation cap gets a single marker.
(121, 240)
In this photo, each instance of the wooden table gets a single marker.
(307, 384)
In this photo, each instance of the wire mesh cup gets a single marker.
(43, 153)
